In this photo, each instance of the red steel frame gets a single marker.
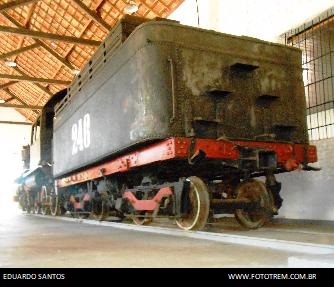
(289, 156)
(148, 204)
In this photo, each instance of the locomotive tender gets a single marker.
(172, 121)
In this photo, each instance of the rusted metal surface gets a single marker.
(178, 148)
(211, 85)
(255, 191)
(230, 201)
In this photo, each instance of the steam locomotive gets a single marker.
(171, 121)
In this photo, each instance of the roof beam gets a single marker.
(15, 123)
(14, 97)
(92, 14)
(18, 51)
(56, 55)
(33, 79)
(8, 100)
(99, 5)
(72, 46)
(48, 36)
(15, 3)
(45, 90)
(46, 47)
(30, 107)
(5, 86)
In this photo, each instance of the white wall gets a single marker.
(310, 195)
(263, 19)
(12, 138)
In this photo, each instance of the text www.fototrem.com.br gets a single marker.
(264, 276)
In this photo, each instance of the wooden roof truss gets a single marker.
(45, 43)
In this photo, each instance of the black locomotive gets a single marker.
(169, 120)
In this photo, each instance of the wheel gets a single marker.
(45, 201)
(199, 205)
(100, 210)
(142, 220)
(138, 216)
(54, 203)
(29, 208)
(37, 204)
(29, 203)
(255, 191)
(100, 207)
(37, 208)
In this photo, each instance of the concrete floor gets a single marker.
(29, 241)
(293, 230)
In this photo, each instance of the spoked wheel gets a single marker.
(142, 220)
(37, 209)
(29, 204)
(45, 201)
(37, 204)
(138, 217)
(199, 205)
(100, 209)
(255, 191)
(54, 203)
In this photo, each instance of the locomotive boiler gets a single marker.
(173, 121)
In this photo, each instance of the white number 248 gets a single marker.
(81, 134)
